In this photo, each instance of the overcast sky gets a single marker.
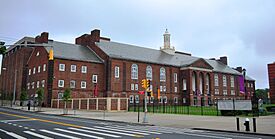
(242, 30)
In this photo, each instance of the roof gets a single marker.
(249, 78)
(73, 52)
(137, 53)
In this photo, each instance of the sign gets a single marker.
(234, 105)
(141, 92)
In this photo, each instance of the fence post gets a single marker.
(138, 112)
(201, 106)
(217, 108)
(134, 105)
(163, 105)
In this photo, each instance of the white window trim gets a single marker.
(175, 77)
(38, 69)
(30, 71)
(94, 78)
(44, 67)
(137, 98)
(176, 89)
(43, 83)
(149, 73)
(73, 68)
(131, 99)
(84, 69)
(59, 83)
(216, 79)
(116, 71)
(175, 99)
(132, 87)
(33, 71)
(136, 87)
(84, 84)
(134, 74)
(224, 80)
(71, 84)
(37, 84)
(60, 67)
(162, 74)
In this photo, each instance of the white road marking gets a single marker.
(58, 134)
(81, 134)
(18, 120)
(230, 135)
(13, 134)
(99, 133)
(122, 130)
(14, 124)
(32, 129)
(26, 127)
(126, 128)
(20, 126)
(9, 123)
(107, 131)
(207, 136)
(150, 129)
(37, 135)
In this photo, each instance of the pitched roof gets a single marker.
(137, 53)
(73, 52)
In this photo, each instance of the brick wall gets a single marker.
(271, 75)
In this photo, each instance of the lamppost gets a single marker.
(3, 94)
(245, 94)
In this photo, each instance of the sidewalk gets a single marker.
(265, 124)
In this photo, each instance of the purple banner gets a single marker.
(241, 82)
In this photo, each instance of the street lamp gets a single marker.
(245, 94)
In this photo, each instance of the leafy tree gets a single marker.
(66, 97)
(40, 97)
(2, 48)
(262, 94)
(23, 96)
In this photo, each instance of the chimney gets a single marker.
(212, 59)
(95, 35)
(223, 60)
(239, 69)
(43, 38)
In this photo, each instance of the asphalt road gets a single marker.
(20, 124)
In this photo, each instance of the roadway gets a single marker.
(30, 125)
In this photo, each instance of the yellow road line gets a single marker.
(42, 120)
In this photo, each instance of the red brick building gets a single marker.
(271, 76)
(117, 70)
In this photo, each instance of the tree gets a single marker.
(66, 97)
(262, 94)
(23, 96)
(2, 48)
(40, 97)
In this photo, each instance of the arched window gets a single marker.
(162, 75)
(149, 73)
(134, 71)
(224, 81)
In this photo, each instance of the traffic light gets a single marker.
(148, 83)
(144, 83)
(158, 93)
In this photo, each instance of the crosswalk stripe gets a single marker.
(151, 132)
(72, 132)
(122, 130)
(99, 133)
(107, 131)
(37, 135)
(13, 134)
(58, 134)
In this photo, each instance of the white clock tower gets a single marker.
(167, 48)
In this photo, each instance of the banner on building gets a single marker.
(241, 84)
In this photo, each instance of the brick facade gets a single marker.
(271, 75)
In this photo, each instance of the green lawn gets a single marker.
(191, 110)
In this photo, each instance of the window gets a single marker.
(224, 80)
(38, 69)
(164, 88)
(137, 99)
(37, 84)
(217, 91)
(61, 67)
(30, 71)
(216, 78)
(37, 54)
(251, 85)
(131, 99)
(94, 78)
(224, 92)
(73, 68)
(175, 99)
(232, 92)
(134, 71)
(44, 67)
(83, 69)
(160, 99)
(165, 99)
(60, 83)
(28, 86)
(132, 86)
(184, 100)
(162, 74)
(60, 95)
(149, 72)
(160, 88)
(43, 83)
(32, 85)
(175, 77)
(33, 71)
(116, 72)
(136, 86)
(176, 89)
(248, 85)
(83, 84)
(232, 81)
(184, 84)
(72, 84)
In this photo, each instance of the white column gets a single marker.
(118, 104)
(88, 104)
(96, 103)
(72, 104)
(79, 103)
(109, 102)
(58, 103)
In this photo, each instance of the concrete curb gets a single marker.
(228, 131)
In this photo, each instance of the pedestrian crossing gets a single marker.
(97, 132)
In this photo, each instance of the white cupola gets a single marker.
(166, 44)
